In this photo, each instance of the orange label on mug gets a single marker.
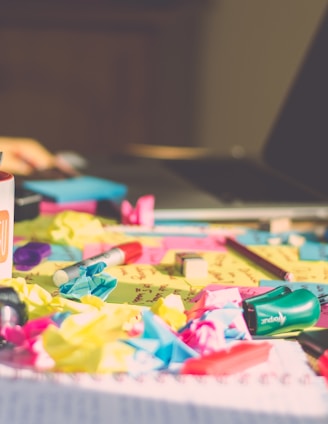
(4, 235)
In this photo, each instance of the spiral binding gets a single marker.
(161, 378)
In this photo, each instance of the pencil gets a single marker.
(259, 260)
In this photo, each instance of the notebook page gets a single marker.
(29, 402)
(284, 390)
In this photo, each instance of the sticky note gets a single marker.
(312, 251)
(78, 189)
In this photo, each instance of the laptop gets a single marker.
(290, 179)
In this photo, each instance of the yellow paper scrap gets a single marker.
(75, 229)
(34, 229)
(89, 342)
(171, 310)
(40, 302)
(70, 228)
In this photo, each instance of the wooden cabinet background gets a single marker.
(97, 76)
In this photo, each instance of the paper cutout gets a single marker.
(255, 237)
(74, 229)
(208, 243)
(208, 333)
(141, 214)
(226, 303)
(204, 336)
(244, 292)
(78, 189)
(88, 206)
(170, 310)
(215, 329)
(92, 281)
(25, 347)
(159, 340)
(259, 237)
(40, 302)
(89, 341)
(208, 300)
(323, 319)
(237, 358)
(34, 229)
(65, 253)
(312, 251)
(314, 287)
(152, 255)
(78, 229)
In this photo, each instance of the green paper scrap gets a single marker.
(78, 189)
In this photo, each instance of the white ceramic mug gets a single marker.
(7, 201)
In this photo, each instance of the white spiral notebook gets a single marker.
(285, 390)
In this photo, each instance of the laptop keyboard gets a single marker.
(233, 180)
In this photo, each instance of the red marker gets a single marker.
(122, 254)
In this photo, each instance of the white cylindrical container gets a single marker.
(7, 201)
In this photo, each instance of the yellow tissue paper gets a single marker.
(34, 229)
(171, 310)
(75, 229)
(39, 302)
(70, 228)
(89, 342)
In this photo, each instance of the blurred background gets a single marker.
(102, 76)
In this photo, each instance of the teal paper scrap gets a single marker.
(92, 281)
(254, 237)
(311, 251)
(65, 253)
(261, 237)
(159, 341)
(78, 189)
(318, 289)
